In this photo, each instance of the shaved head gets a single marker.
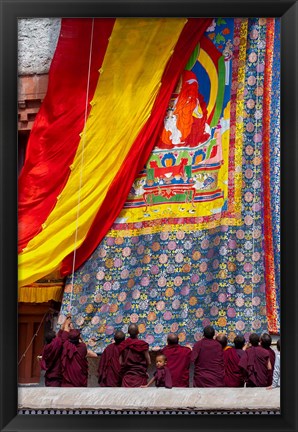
(172, 339)
(222, 339)
(133, 330)
(266, 340)
(161, 356)
(239, 342)
(119, 336)
(254, 339)
(209, 332)
(49, 336)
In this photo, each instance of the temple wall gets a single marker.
(37, 39)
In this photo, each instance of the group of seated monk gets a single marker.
(125, 362)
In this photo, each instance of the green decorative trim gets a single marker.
(193, 58)
(221, 91)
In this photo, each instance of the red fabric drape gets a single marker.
(142, 147)
(55, 135)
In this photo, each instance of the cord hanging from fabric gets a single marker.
(34, 336)
(81, 165)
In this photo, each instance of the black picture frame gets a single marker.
(10, 12)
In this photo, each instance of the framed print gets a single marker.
(189, 223)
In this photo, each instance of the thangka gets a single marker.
(197, 239)
(191, 246)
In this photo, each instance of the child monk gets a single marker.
(109, 365)
(162, 375)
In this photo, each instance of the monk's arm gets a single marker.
(147, 356)
(149, 382)
(63, 333)
(66, 324)
(91, 353)
(194, 355)
(269, 366)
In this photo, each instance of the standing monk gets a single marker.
(178, 361)
(208, 361)
(109, 366)
(134, 359)
(233, 372)
(256, 363)
(266, 341)
(74, 362)
(51, 360)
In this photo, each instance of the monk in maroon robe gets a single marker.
(51, 360)
(207, 357)
(233, 373)
(255, 363)
(134, 359)
(109, 365)
(162, 375)
(74, 362)
(266, 341)
(178, 361)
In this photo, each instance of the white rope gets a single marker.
(82, 166)
(34, 336)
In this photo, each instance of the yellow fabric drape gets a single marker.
(137, 54)
(40, 293)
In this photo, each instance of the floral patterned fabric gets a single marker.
(188, 248)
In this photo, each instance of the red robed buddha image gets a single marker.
(185, 124)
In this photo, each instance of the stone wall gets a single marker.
(150, 399)
(37, 39)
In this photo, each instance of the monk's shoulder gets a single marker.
(198, 344)
(57, 343)
(185, 349)
(111, 347)
(262, 351)
(272, 352)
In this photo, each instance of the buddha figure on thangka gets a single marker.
(184, 166)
